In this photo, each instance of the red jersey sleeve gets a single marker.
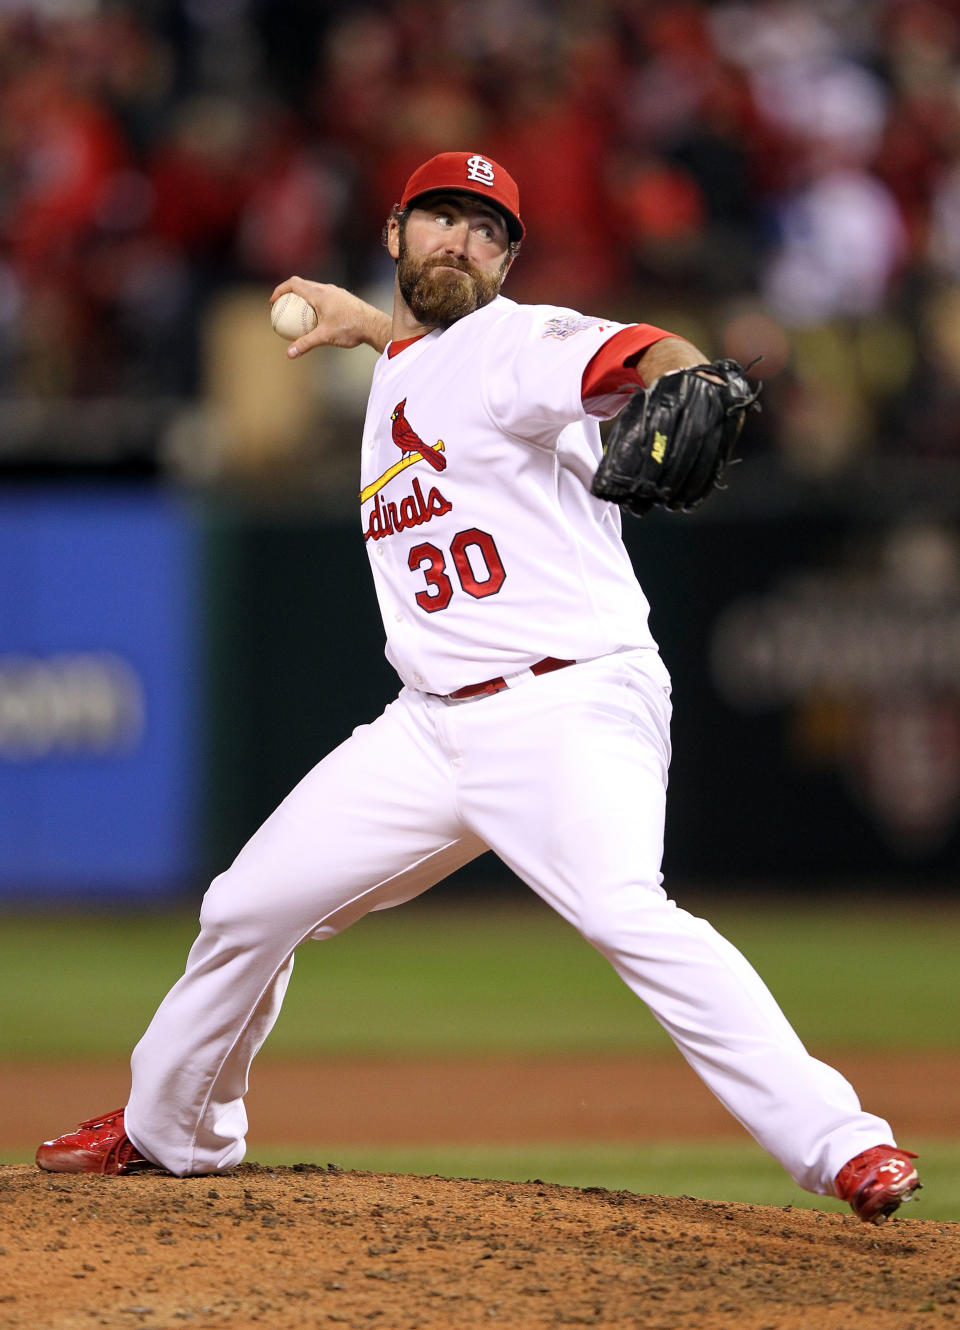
(607, 381)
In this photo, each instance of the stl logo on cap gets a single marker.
(469, 173)
(479, 169)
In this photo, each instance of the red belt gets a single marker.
(544, 666)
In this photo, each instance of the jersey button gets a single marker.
(418, 678)
(398, 617)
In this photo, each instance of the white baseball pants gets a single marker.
(564, 777)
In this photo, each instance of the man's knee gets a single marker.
(232, 905)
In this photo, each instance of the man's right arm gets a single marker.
(343, 319)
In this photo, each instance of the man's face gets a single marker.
(452, 256)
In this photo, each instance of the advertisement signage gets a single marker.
(98, 680)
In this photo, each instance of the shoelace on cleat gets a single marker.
(119, 1155)
(102, 1119)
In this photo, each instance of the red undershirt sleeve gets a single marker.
(606, 375)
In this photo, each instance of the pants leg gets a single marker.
(565, 778)
(372, 825)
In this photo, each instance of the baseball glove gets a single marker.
(672, 443)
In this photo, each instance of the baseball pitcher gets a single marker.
(533, 717)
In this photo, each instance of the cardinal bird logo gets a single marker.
(409, 441)
(411, 446)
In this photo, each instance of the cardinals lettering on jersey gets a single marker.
(413, 510)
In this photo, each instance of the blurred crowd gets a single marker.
(775, 178)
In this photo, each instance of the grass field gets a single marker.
(472, 978)
(487, 979)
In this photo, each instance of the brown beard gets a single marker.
(436, 298)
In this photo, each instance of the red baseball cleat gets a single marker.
(876, 1181)
(99, 1145)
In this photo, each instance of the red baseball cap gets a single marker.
(469, 173)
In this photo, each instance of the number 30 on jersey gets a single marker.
(476, 562)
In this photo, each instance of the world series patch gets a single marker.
(565, 325)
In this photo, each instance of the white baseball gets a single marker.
(292, 316)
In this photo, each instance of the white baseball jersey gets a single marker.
(488, 550)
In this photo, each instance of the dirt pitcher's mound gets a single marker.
(307, 1246)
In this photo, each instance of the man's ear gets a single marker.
(393, 238)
